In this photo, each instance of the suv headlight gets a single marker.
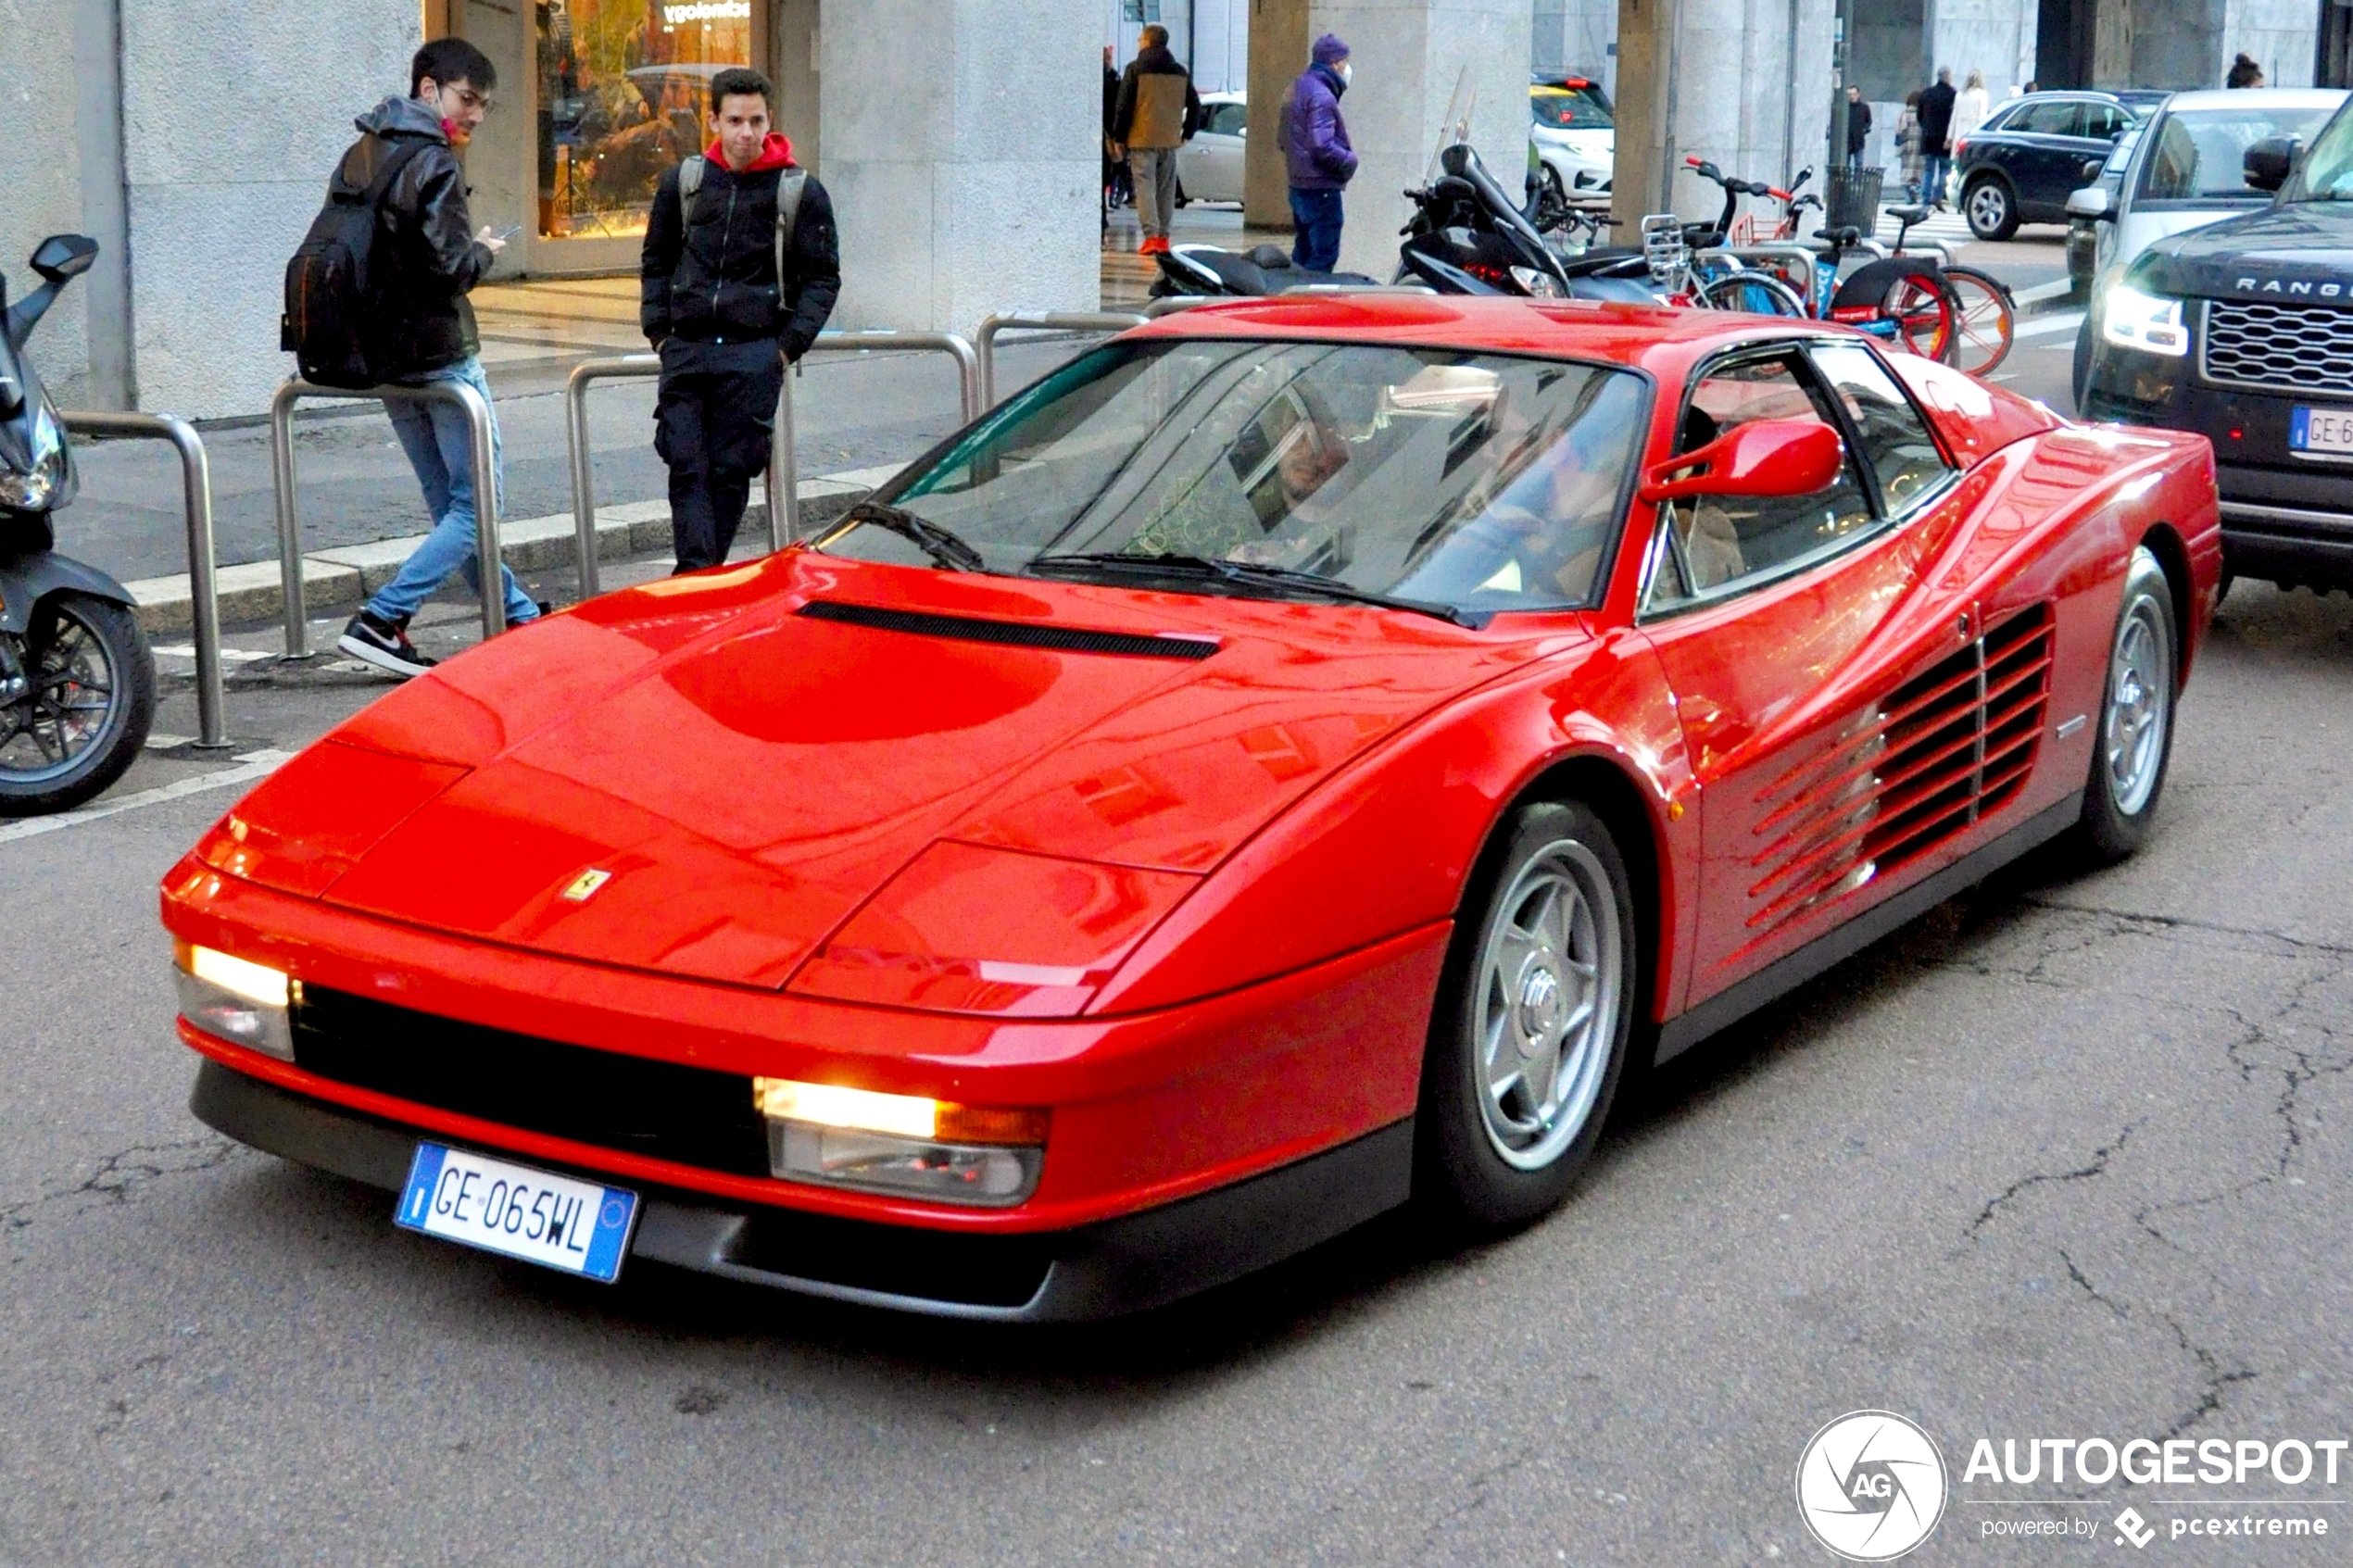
(2146, 322)
(46, 484)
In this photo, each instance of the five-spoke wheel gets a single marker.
(2133, 735)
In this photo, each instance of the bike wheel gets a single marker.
(1987, 321)
(90, 697)
(1756, 293)
(1923, 311)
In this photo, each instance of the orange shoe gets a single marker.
(1154, 245)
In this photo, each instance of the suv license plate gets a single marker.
(577, 1226)
(2320, 429)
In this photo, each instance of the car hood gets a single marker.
(709, 775)
(2303, 250)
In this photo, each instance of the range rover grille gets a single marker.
(2305, 349)
(1951, 745)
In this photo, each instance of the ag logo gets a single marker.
(1870, 1485)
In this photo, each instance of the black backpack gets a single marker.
(329, 325)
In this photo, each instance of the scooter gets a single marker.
(77, 682)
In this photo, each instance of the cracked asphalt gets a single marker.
(2063, 1158)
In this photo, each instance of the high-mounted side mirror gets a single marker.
(1763, 458)
(2090, 202)
(2268, 161)
(61, 257)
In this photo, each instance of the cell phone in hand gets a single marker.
(509, 232)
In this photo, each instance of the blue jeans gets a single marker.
(1935, 169)
(440, 447)
(1316, 216)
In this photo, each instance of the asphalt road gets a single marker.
(2064, 1158)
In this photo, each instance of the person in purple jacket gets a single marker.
(1317, 156)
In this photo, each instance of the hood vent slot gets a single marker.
(1010, 633)
(1951, 745)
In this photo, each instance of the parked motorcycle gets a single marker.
(77, 682)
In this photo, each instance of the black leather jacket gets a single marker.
(713, 277)
(426, 256)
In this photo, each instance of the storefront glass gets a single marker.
(624, 85)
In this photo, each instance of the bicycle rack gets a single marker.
(204, 596)
(485, 476)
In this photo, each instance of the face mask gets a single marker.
(1347, 73)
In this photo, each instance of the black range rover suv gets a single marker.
(2243, 332)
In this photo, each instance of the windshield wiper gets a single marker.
(1184, 568)
(941, 544)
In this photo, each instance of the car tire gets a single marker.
(2133, 733)
(1528, 1039)
(1990, 206)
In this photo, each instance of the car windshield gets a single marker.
(1476, 481)
(2327, 170)
(1568, 109)
(2199, 153)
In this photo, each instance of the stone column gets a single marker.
(217, 200)
(961, 150)
(1278, 40)
(1408, 56)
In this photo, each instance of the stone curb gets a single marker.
(2045, 299)
(348, 574)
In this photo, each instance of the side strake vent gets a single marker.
(1012, 633)
(1949, 746)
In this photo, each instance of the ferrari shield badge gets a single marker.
(584, 886)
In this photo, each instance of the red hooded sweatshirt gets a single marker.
(775, 153)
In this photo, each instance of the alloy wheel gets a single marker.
(1550, 987)
(2139, 703)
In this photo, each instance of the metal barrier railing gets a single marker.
(485, 477)
(985, 339)
(783, 485)
(204, 594)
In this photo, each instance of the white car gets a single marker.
(1209, 167)
(1575, 137)
(2180, 169)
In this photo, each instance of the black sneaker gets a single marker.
(383, 644)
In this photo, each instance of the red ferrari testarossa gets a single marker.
(1297, 756)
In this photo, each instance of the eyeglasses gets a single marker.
(468, 98)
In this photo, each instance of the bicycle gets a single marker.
(1986, 323)
(1901, 301)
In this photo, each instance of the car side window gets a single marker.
(2059, 118)
(1229, 120)
(2104, 122)
(1713, 546)
(1895, 440)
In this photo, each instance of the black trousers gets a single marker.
(712, 419)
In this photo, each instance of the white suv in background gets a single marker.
(1209, 167)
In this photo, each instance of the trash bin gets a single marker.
(1854, 198)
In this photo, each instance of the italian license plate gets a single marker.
(577, 1226)
(2320, 429)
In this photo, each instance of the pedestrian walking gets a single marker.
(1158, 112)
(1908, 142)
(425, 258)
(739, 270)
(1317, 158)
(2244, 72)
(1858, 126)
(1115, 188)
(1970, 108)
(1936, 137)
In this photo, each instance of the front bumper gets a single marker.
(2287, 519)
(1100, 1269)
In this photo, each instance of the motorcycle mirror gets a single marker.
(61, 257)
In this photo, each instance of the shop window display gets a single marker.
(624, 85)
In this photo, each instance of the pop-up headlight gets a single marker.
(903, 1145)
(234, 999)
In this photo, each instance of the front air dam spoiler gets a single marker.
(1099, 1271)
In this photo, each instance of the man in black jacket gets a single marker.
(427, 260)
(1936, 137)
(1858, 126)
(734, 283)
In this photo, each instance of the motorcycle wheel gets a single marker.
(91, 699)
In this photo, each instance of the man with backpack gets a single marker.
(739, 273)
(377, 294)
